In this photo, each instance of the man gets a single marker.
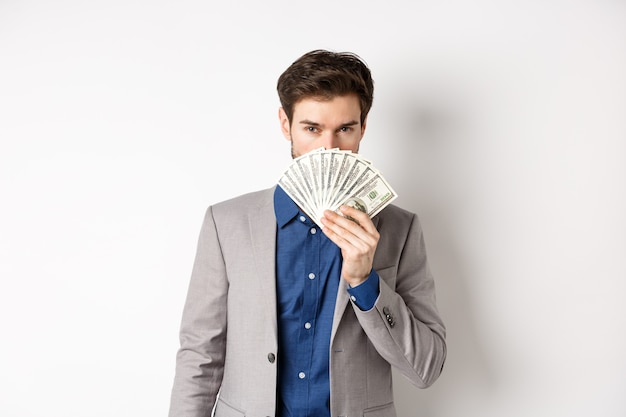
(284, 319)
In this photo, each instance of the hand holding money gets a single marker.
(355, 234)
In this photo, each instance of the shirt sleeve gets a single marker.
(365, 294)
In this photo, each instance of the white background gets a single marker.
(502, 124)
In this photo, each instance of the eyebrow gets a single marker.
(312, 123)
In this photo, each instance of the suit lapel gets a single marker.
(262, 223)
(340, 306)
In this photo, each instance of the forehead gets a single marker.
(347, 106)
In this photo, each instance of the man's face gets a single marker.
(331, 123)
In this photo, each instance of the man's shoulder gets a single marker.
(396, 213)
(247, 201)
(397, 221)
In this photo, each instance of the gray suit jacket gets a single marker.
(228, 335)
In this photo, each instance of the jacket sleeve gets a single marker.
(200, 358)
(404, 325)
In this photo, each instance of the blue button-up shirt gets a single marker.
(308, 269)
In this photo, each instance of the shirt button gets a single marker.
(313, 231)
(353, 298)
(302, 218)
(307, 326)
(301, 375)
(311, 275)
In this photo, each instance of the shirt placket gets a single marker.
(308, 315)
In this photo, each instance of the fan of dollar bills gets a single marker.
(328, 178)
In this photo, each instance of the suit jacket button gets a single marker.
(389, 316)
(271, 357)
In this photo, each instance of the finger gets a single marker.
(340, 229)
(335, 231)
(361, 218)
(342, 225)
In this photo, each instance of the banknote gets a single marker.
(325, 179)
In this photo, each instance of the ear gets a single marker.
(363, 126)
(284, 123)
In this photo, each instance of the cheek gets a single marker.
(303, 137)
(300, 143)
(354, 137)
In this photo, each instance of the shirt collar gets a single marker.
(284, 207)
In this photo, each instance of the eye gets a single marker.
(312, 129)
(345, 129)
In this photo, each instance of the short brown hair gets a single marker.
(325, 74)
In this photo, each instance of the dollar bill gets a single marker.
(329, 178)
